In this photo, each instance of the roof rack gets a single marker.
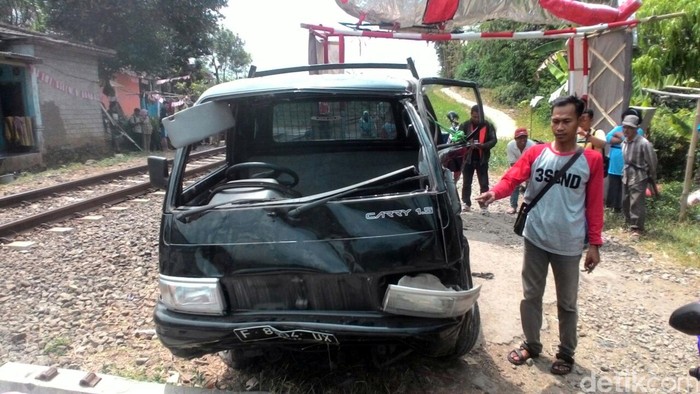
(410, 66)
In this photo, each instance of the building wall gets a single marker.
(72, 123)
(127, 90)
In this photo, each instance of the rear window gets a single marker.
(333, 120)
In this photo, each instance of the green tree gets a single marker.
(509, 67)
(151, 36)
(450, 56)
(229, 58)
(669, 47)
(22, 13)
(668, 54)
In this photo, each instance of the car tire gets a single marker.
(468, 334)
(236, 359)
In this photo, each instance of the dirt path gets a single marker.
(505, 125)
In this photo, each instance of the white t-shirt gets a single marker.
(512, 151)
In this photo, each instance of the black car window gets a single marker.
(333, 120)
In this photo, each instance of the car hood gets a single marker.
(380, 234)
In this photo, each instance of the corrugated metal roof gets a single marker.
(13, 33)
(19, 57)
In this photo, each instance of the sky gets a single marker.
(273, 36)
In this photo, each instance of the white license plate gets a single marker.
(261, 333)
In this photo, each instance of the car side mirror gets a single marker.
(158, 171)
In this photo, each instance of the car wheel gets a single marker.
(469, 333)
(236, 359)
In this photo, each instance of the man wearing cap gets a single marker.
(613, 195)
(639, 169)
(514, 150)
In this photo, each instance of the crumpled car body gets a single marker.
(319, 229)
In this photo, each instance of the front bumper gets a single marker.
(191, 336)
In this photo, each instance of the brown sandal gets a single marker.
(563, 365)
(521, 358)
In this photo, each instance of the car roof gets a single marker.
(348, 83)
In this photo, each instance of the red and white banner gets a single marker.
(448, 15)
(471, 36)
(64, 87)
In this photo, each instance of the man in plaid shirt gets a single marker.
(638, 171)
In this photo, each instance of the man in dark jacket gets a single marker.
(482, 135)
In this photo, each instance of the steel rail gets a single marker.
(36, 194)
(17, 226)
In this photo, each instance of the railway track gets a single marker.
(136, 188)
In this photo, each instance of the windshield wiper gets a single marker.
(322, 198)
(182, 216)
(363, 186)
(294, 213)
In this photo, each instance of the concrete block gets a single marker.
(19, 377)
(21, 244)
(92, 217)
(61, 230)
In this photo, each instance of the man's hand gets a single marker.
(592, 258)
(486, 198)
(619, 136)
(581, 133)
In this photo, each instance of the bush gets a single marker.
(670, 134)
(511, 94)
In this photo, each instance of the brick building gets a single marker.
(49, 100)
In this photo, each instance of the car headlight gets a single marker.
(411, 301)
(192, 295)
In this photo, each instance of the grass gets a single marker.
(29, 177)
(666, 234)
(666, 238)
(134, 372)
(57, 346)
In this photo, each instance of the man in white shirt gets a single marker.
(514, 150)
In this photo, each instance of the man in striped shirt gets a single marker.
(639, 169)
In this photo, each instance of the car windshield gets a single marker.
(293, 148)
(333, 120)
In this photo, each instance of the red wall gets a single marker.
(127, 89)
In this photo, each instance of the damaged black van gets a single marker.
(330, 223)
